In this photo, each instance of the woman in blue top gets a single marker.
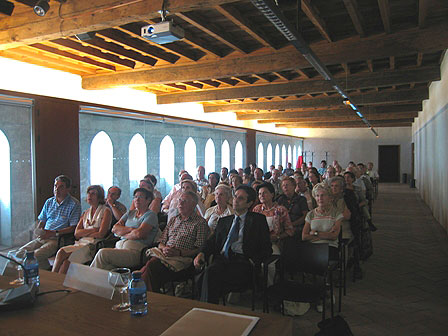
(137, 229)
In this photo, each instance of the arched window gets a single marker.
(225, 154)
(294, 156)
(277, 155)
(209, 156)
(290, 159)
(284, 156)
(269, 156)
(5, 182)
(260, 155)
(101, 160)
(190, 156)
(137, 161)
(238, 155)
(166, 159)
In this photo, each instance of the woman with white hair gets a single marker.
(323, 224)
(223, 195)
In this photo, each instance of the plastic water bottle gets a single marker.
(31, 269)
(137, 295)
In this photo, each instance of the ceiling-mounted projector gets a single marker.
(162, 32)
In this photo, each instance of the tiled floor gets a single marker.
(405, 285)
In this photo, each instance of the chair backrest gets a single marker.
(305, 257)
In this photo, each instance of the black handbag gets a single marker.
(335, 326)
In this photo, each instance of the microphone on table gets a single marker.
(19, 297)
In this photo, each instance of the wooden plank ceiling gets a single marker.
(384, 53)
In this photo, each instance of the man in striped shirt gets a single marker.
(60, 215)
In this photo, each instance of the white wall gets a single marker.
(358, 145)
(429, 133)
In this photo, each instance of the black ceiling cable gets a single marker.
(273, 14)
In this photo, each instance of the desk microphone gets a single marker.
(18, 297)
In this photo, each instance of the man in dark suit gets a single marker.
(236, 239)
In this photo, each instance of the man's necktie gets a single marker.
(232, 237)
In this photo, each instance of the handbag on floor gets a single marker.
(366, 247)
(335, 326)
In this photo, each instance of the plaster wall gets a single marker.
(429, 133)
(358, 145)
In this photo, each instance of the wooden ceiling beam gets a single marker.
(360, 81)
(353, 124)
(376, 98)
(313, 14)
(120, 51)
(388, 109)
(352, 117)
(72, 56)
(126, 41)
(94, 52)
(349, 50)
(232, 14)
(212, 30)
(385, 14)
(75, 17)
(355, 15)
(134, 30)
(33, 56)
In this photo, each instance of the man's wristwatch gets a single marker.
(316, 233)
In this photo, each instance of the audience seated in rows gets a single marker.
(93, 226)
(183, 237)
(60, 215)
(137, 229)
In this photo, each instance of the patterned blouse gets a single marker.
(277, 217)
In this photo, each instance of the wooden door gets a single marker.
(389, 163)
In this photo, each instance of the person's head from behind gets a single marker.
(61, 187)
(95, 195)
(244, 198)
(146, 184)
(187, 203)
(142, 198)
(151, 178)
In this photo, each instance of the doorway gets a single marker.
(389, 163)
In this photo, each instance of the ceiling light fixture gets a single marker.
(41, 7)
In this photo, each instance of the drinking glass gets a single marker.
(17, 256)
(119, 280)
